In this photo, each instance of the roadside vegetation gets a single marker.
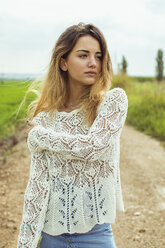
(146, 110)
(11, 95)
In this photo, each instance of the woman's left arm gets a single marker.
(35, 199)
(35, 202)
(108, 123)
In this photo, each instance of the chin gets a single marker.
(90, 82)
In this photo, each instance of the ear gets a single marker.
(63, 64)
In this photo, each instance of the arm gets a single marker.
(35, 201)
(108, 123)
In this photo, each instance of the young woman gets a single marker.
(74, 187)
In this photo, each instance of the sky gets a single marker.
(30, 28)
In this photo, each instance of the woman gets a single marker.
(74, 187)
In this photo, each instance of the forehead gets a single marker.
(87, 42)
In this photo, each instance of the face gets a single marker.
(83, 64)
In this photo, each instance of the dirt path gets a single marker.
(143, 183)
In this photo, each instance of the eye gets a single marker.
(83, 55)
(99, 58)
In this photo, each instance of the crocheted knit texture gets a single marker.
(74, 177)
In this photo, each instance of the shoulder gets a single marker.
(114, 98)
(116, 94)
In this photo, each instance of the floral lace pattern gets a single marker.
(75, 177)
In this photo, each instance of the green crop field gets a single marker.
(11, 95)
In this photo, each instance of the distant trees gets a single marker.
(159, 65)
(124, 65)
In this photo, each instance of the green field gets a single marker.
(146, 104)
(146, 110)
(11, 95)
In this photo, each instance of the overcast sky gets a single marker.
(30, 28)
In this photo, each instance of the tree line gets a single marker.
(159, 65)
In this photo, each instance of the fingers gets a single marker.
(31, 125)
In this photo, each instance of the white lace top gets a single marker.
(74, 177)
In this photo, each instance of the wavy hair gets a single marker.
(54, 93)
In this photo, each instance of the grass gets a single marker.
(146, 111)
(11, 95)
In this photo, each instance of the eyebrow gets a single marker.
(86, 51)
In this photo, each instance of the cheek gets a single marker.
(76, 66)
(99, 67)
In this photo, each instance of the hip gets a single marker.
(99, 236)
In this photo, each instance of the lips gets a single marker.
(91, 73)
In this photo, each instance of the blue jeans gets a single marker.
(101, 236)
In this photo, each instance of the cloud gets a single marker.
(29, 30)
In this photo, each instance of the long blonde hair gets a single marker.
(54, 94)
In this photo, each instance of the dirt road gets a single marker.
(143, 183)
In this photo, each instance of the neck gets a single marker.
(75, 91)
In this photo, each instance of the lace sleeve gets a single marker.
(108, 123)
(35, 202)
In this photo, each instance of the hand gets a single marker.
(31, 125)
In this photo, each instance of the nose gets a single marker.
(92, 61)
